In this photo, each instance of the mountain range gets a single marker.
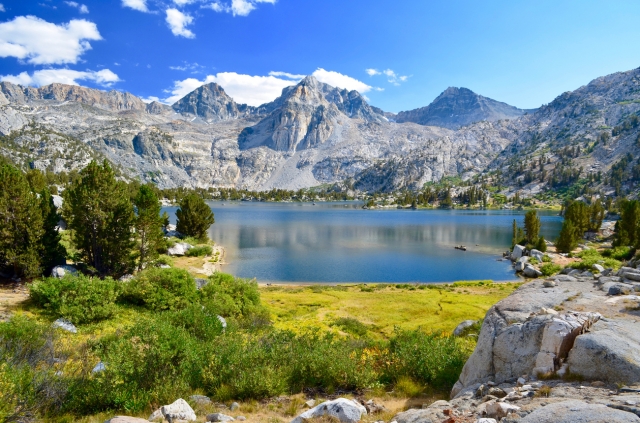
(314, 134)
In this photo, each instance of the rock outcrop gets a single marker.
(534, 332)
(345, 410)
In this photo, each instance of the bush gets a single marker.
(162, 289)
(618, 253)
(78, 298)
(199, 251)
(549, 269)
(590, 257)
(233, 297)
(546, 259)
(429, 359)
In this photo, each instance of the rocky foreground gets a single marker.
(561, 350)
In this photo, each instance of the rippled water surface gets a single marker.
(340, 242)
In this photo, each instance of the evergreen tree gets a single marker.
(541, 245)
(98, 210)
(21, 224)
(37, 180)
(596, 216)
(514, 237)
(148, 226)
(194, 217)
(567, 240)
(53, 253)
(532, 226)
(627, 228)
(578, 213)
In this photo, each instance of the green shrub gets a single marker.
(618, 253)
(533, 260)
(162, 289)
(429, 359)
(199, 251)
(233, 297)
(78, 298)
(351, 326)
(549, 269)
(590, 257)
(546, 259)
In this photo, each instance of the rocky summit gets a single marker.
(457, 107)
(315, 134)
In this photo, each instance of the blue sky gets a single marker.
(399, 54)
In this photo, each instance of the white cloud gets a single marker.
(104, 77)
(287, 75)
(391, 75)
(248, 89)
(41, 42)
(236, 7)
(140, 5)
(178, 21)
(150, 99)
(81, 7)
(188, 67)
(339, 80)
(2, 9)
(183, 2)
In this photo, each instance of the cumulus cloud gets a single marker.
(104, 77)
(183, 2)
(391, 75)
(178, 22)
(150, 99)
(247, 89)
(339, 80)
(2, 9)
(40, 42)
(140, 5)
(237, 7)
(81, 7)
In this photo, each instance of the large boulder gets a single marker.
(179, 249)
(531, 272)
(518, 251)
(61, 271)
(345, 410)
(432, 414)
(178, 410)
(610, 352)
(575, 411)
(536, 254)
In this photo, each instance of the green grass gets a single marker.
(380, 308)
(592, 256)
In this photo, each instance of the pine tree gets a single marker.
(514, 238)
(596, 216)
(98, 210)
(541, 245)
(578, 213)
(532, 226)
(21, 224)
(627, 228)
(567, 240)
(54, 253)
(194, 217)
(148, 226)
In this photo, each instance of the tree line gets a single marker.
(115, 231)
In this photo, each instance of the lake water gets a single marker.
(340, 242)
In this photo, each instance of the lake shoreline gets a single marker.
(268, 284)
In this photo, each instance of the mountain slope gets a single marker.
(457, 107)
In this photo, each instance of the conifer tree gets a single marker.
(541, 245)
(596, 216)
(149, 224)
(567, 240)
(194, 217)
(628, 227)
(53, 253)
(21, 224)
(98, 210)
(578, 213)
(532, 226)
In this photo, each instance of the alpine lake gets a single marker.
(339, 242)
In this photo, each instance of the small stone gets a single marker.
(100, 367)
(521, 381)
(597, 384)
(497, 392)
(311, 403)
(219, 417)
(241, 418)
(234, 406)
(549, 284)
(65, 325)
(499, 410)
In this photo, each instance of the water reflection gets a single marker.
(333, 243)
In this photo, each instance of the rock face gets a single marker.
(345, 410)
(457, 107)
(210, 102)
(524, 335)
